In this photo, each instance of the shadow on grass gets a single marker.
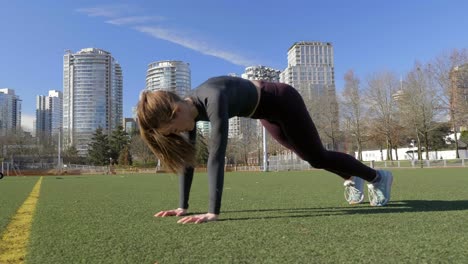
(404, 206)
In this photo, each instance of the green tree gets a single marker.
(437, 137)
(125, 158)
(99, 151)
(70, 155)
(118, 140)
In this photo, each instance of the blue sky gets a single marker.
(218, 37)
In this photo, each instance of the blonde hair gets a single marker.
(154, 110)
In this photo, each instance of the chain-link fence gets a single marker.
(298, 165)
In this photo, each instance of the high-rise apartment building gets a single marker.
(10, 112)
(459, 84)
(311, 68)
(459, 90)
(174, 76)
(49, 115)
(92, 96)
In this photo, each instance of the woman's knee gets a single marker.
(320, 160)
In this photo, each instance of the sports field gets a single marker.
(275, 217)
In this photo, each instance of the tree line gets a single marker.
(427, 104)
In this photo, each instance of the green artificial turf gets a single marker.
(275, 217)
(13, 192)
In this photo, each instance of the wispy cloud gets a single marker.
(135, 20)
(194, 44)
(120, 15)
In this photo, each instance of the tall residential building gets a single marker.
(10, 112)
(92, 96)
(49, 115)
(459, 83)
(459, 90)
(174, 76)
(311, 68)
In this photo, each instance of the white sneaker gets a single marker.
(379, 192)
(354, 190)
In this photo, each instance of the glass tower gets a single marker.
(10, 112)
(92, 96)
(49, 114)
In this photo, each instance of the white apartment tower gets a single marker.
(174, 76)
(49, 115)
(311, 68)
(92, 96)
(10, 112)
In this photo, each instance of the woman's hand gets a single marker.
(175, 212)
(197, 219)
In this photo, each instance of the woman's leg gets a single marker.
(276, 132)
(282, 104)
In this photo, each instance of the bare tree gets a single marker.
(323, 109)
(140, 151)
(330, 120)
(383, 110)
(420, 105)
(352, 109)
(445, 71)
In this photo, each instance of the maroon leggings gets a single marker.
(284, 115)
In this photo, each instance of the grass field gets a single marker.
(276, 217)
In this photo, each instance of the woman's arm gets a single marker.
(185, 179)
(185, 184)
(219, 119)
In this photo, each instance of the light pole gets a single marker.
(59, 151)
(265, 152)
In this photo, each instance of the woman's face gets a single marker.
(181, 122)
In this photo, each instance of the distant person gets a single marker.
(165, 119)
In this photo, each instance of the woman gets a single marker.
(164, 118)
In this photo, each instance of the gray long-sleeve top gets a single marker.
(217, 100)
